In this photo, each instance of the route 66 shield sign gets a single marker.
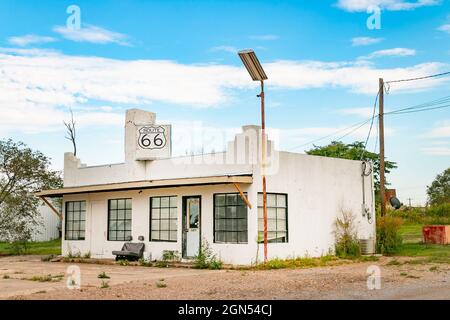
(153, 142)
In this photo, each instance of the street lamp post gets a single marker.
(257, 73)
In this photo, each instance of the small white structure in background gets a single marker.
(177, 203)
(49, 227)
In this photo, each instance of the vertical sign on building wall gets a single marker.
(153, 142)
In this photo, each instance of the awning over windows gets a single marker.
(148, 184)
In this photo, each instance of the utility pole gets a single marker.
(381, 129)
(409, 200)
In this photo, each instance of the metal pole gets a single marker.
(381, 123)
(263, 168)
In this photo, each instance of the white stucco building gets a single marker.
(175, 203)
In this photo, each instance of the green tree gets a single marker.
(23, 172)
(353, 151)
(439, 190)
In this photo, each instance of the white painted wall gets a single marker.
(318, 189)
(48, 229)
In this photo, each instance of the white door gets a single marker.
(98, 226)
(192, 211)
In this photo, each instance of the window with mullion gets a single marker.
(277, 223)
(119, 219)
(75, 220)
(230, 218)
(163, 218)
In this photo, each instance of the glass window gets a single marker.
(163, 219)
(277, 230)
(119, 220)
(230, 219)
(75, 220)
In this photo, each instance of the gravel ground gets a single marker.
(406, 281)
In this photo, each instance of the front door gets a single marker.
(191, 225)
(98, 227)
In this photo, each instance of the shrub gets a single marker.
(104, 284)
(103, 275)
(388, 236)
(346, 239)
(442, 210)
(144, 263)
(170, 255)
(206, 259)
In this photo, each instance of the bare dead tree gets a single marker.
(71, 133)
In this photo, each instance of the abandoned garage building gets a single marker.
(177, 203)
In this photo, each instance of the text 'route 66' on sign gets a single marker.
(153, 142)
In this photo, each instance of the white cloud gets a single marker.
(361, 112)
(395, 52)
(365, 41)
(391, 5)
(437, 151)
(38, 86)
(442, 130)
(92, 34)
(30, 39)
(229, 49)
(264, 37)
(445, 28)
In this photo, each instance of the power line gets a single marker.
(417, 110)
(371, 124)
(360, 124)
(420, 78)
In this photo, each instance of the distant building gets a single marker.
(176, 203)
(50, 226)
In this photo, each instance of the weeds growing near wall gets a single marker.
(346, 239)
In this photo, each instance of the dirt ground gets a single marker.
(405, 281)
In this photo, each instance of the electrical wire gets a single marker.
(371, 124)
(420, 78)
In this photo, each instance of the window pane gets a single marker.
(219, 200)
(121, 214)
(242, 212)
(164, 213)
(165, 202)
(173, 213)
(281, 225)
(70, 206)
(83, 205)
(164, 235)
(113, 215)
(271, 213)
(173, 201)
(155, 213)
(128, 214)
(128, 225)
(242, 237)
(113, 225)
(281, 213)
(260, 200)
(113, 204)
(120, 235)
(164, 224)
(271, 200)
(155, 224)
(281, 200)
(156, 202)
(173, 235)
(220, 212)
(231, 199)
(128, 203)
(173, 224)
(231, 212)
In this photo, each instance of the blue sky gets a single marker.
(178, 59)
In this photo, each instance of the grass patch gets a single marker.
(298, 263)
(104, 284)
(37, 248)
(123, 262)
(424, 250)
(5, 276)
(411, 232)
(103, 275)
(45, 278)
(161, 284)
